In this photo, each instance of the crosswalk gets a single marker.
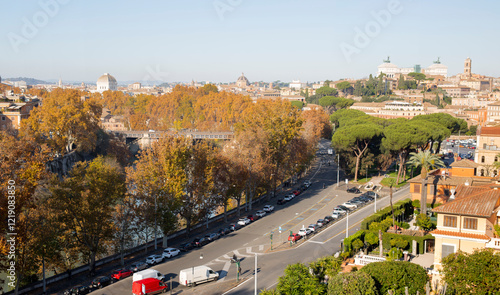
(246, 252)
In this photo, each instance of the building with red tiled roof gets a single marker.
(487, 150)
(467, 221)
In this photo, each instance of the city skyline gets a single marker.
(217, 40)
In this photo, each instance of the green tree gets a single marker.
(297, 104)
(357, 244)
(326, 91)
(399, 243)
(356, 138)
(85, 201)
(354, 283)
(424, 222)
(474, 273)
(298, 280)
(417, 76)
(396, 275)
(371, 239)
(426, 161)
(325, 267)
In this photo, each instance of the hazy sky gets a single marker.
(216, 40)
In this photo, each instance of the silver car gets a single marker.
(137, 266)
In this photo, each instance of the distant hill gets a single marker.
(29, 81)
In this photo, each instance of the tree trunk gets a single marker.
(122, 259)
(358, 158)
(225, 211)
(423, 196)
(239, 209)
(92, 263)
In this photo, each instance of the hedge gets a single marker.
(348, 241)
(404, 205)
(387, 237)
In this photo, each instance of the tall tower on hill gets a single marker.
(468, 68)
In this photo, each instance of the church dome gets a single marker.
(106, 78)
(242, 81)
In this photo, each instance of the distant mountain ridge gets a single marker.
(29, 81)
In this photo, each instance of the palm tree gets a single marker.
(427, 161)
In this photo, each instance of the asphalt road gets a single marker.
(255, 239)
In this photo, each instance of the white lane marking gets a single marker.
(239, 254)
(271, 286)
(226, 269)
(310, 241)
(249, 250)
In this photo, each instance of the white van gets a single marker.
(147, 273)
(196, 275)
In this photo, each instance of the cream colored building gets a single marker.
(487, 151)
(466, 223)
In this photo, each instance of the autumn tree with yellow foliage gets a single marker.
(65, 121)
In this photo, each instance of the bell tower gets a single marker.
(468, 68)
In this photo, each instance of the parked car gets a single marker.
(372, 194)
(296, 192)
(243, 221)
(223, 231)
(312, 227)
(336, 215)
(281, 201)
(170, 252)
(252, 217)
(78, 290)
(344, 208)
(353, 190)
(198, 242)
(260, 213)
(154, 259)
(122, 273)
(350, 205)
(289, 197)
(321, 222)
(268, 208)
(149, 286)
(234, 226)
(307, 183)
(212, 236)
(186, 247)
(328, 218)
(138, 266)
(339, 211)
(294, 237)
(304, 231)
(100, 282)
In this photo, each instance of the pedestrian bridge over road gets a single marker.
(146, 138)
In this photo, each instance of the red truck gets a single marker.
(148, 286)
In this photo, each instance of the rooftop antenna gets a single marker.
(388, 60)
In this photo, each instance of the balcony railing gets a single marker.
(493, 243)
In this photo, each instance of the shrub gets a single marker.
(396, 275)
(298, 280)
(354, 283)
(387, 237)
(424, 222)
(405, 206)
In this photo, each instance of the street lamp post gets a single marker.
(255, 292)
(338, 169)
(347, 226)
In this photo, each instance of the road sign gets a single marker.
(330, 151)
(346, 181)
(280, 229)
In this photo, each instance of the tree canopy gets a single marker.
(474, 273)
(396, 275)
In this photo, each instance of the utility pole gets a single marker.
(347, 226)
